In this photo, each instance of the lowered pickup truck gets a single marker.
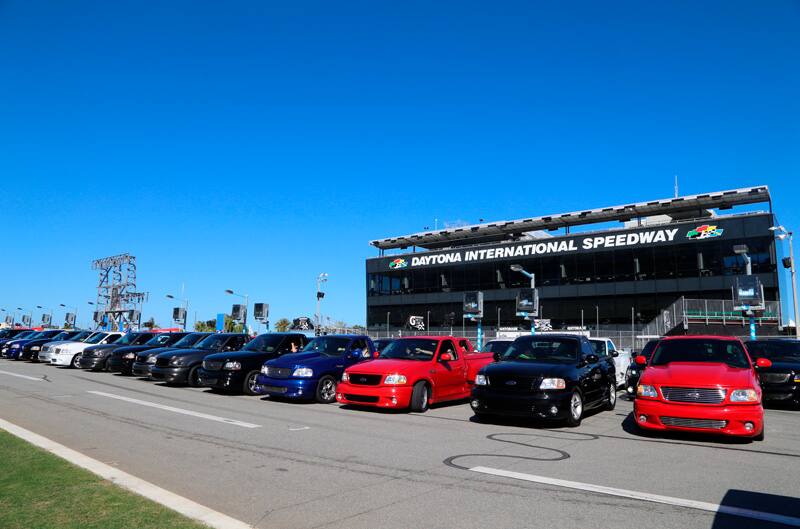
(314, 372)
(414, 373)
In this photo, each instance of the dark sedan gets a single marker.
(554, 376)
(146, 360)
(237, 371)
(634, 371)
(95, 357)
(781, 381)
(183, 366)
(121, 359)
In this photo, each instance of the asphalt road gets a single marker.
(287, 465)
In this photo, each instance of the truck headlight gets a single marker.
(480, 380)
(176, 361)
(553, 383)
(395, 380)
(744, 395)
(264, 370)
(151, 360)
(129, 356)
(646, 391)
(232, 366)
(35, 348)
(304, 372)
(345, 377)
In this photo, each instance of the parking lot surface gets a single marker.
(288, 465)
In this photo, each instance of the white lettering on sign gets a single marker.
(549, 247)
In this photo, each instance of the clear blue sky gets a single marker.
(252, 145)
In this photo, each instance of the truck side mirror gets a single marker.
(446, 357)
(496, 356)
(376, 354)
(763, 362)
(614, 354)
(591, 358)
(640, 360)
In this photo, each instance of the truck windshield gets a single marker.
(788, 351)
(496, 346)
(411, 349)
(129, 339)
(160, 339)
(61, 336)
(190, 340)
(82, 336)
(327, 345)
(648, 349)
(96, 337)
(546, 350)
(264, 343)
(214, 341)
(700, 350)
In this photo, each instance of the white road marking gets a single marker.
(644, 496)
(177, 410)
(38, 379)
(300, 429)
(163, 497)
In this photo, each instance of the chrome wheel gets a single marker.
(328, 390)
(612, 394)
(425, 397)
(252, 385)
(576, 406)
(76, 361)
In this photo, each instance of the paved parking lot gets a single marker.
(279, 464)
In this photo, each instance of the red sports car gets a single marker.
(701, 384)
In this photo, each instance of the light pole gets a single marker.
(96, 323)
(47, 309)
(581, 319)
(498, 319)
(783, 234)
(246, 303)
(4, 310)
(518, 268)
(428, 322)
(75, 313)
(387, 324)
(597, 318)
(30, 314)
(322, 278)
(185, 308)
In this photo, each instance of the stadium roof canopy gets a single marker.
(690, 206)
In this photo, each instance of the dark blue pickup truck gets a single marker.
(314, 372)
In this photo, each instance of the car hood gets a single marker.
(698, 374)
(40, 341)
(162, 350)
(239, 356)
(100, 347)
(73, 346)
(382, 366)
(60, 342)
(125, 349)
(176, 353)
(530, 369)
(303, 359)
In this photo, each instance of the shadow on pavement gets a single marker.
(756, 501)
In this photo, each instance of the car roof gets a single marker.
(344, 336)
(700, 337)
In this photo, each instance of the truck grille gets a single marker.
(279, 372)
(695, 395)
(512, 384)
(142, 358)
(683, 422)
(775, 378)
(162, 362)
(212, 365)
(365, 380)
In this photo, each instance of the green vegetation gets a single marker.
(41, 491)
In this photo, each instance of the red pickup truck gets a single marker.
(414, 373)
(701, 384)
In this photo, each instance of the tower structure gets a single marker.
(119, 304)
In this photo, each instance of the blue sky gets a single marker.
(252, 145)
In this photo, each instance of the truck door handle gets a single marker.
(432, 371)
(341, 365)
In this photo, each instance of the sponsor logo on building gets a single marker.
(704, 232)
(398, 263)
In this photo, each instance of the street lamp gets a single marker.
(322, 278)
(246, 303)
(428, 322)
(30, 314)
(186, 307)
(782, 234)
(387, 324)
(532, 277)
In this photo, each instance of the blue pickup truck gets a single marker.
(314, 372)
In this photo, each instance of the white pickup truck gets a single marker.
(604, 347)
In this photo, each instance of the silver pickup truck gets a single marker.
(604, 347)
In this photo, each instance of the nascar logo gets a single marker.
(398, 263)
(704, 232)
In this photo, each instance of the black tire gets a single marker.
(326, 390)
(760, 437)
(76, 361)
(193, 378)
(575, 412)
(611, 400)
(420, 397)
(249, 384)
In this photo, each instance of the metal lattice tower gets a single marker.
(117, 299)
